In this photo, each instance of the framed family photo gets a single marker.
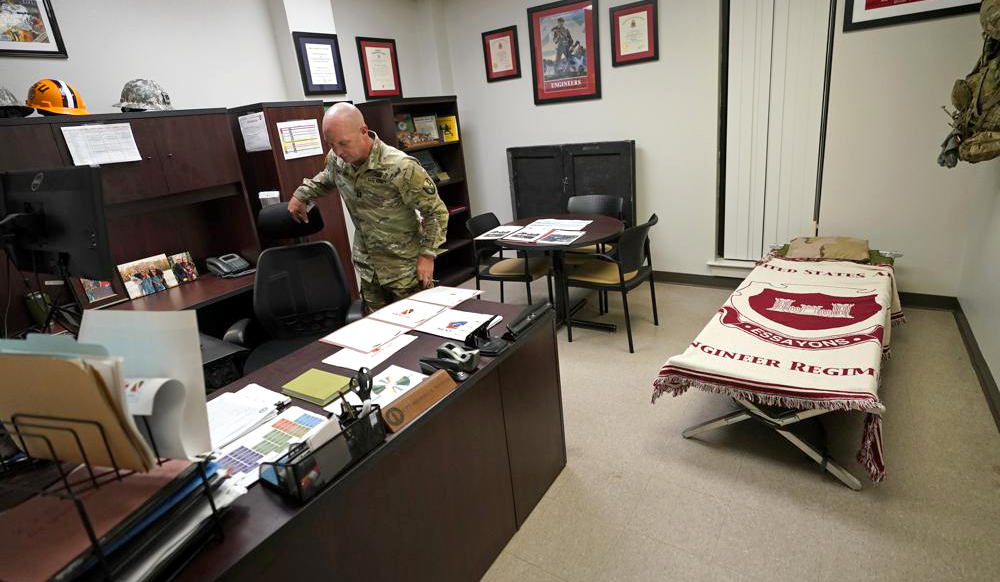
(92, 293)
(565, 64)
(634, 33)
(379, 67)
(28, 29)
(501, 54)
(861, 14)
(319, 63)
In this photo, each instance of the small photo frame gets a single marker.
(28, 29)
(634, 33)
(379, 67)
(861, 14)
(182, 265)
(501, 54)
(319, 63)
(93, 294)
(565, 59)
(147, 276)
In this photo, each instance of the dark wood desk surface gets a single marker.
(601, 229)
(441, 497)
(204, 291)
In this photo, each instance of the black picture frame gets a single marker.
(511, 33)
(648, 6)
(930, 12)
(548, 91)
(37, 14)
(301, 39)
(390, 43)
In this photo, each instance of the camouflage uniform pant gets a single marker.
(377, 295)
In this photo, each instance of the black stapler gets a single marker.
(528, 316)
(480, 340)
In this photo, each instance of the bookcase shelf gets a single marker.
(455, 264)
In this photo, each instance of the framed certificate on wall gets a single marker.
(565, 64)
(379, 67)
(319, 63)
(860, 14)
(501, 54)
(634, 36)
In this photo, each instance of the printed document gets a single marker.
(364, 335)
(101, 143)
(355, 360)
(446, 296)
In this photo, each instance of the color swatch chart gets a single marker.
(266, 443)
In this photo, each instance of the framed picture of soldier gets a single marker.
(379, 67)
(28, 29)
(634, 33)
(500, 54)
(861, 14)
(565, 64)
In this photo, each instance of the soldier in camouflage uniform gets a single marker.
(384, 190)
(143, 95)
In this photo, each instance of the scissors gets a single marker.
(362, 383)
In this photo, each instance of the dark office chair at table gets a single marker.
(492, 266)
(594, 204)
(623, 270)
(300, 295)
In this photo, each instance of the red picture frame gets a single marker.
(507, 64)
(639, 41)
(565, 65)
(375, 56)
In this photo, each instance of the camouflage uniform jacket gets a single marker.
(383, 196)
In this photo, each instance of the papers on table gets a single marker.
(560, 237)
(97, 143)
(355, 360)
(556, 223)
(455, 324)
(386, 387)
(498, 232)
(407, 313)
(529, 234)
(446, 296)
(364, 335)
(266, 443)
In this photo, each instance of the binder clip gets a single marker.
(480, 340)
(457, 360)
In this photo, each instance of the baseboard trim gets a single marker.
(920, 300)
(986, 380)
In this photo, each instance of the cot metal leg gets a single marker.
(823, 460)
(726, 420)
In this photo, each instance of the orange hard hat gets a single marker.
(56, 96)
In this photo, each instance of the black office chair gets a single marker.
(491, 266)
(300, 295)
(594, 204)
(621, 271)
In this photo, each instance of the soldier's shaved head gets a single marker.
(345, 130)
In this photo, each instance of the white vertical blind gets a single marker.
(777, 56)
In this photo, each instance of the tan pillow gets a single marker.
(828, 247)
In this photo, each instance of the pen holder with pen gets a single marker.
(301, 473)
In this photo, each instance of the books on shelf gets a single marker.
(448, 126)
(426, 125)
(427, 162)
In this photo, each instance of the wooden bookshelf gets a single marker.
(455, 264)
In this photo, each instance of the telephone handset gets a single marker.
(227, 266)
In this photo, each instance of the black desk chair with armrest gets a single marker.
(595, 204)
(496, 268)
(620, 271)
(300, 295)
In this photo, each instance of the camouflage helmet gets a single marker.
(989, 17)
(144, 95)
(10, 106)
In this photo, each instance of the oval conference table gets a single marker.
(601, 229)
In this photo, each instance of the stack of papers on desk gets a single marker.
(446, 296)
(234, 414)
(355, 360)
(455, 324)
(407, 313)
(266, 443)
(557, 223)
(364, 335)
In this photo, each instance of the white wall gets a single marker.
(668, 107)
(980, 290)
(882, 181)
(204, 54)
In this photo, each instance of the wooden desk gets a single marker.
(438, 501)
(204, 291)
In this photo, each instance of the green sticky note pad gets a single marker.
(316, 386)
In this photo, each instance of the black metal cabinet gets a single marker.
(543, 178)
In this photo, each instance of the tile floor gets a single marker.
(638, 502)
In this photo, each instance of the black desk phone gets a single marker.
(227, 266)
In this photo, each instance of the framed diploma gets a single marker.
(319, 63)
(500, 54)
(565, 64)
(379, 67)
(634, 33)
(859, 14)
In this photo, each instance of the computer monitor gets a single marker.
(52, 221)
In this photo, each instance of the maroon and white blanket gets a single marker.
(799, 335)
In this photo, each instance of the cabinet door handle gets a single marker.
(149, 157)
(171, 156)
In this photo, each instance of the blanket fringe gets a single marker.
(870, 453)
(898, 321)
(677, 385)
